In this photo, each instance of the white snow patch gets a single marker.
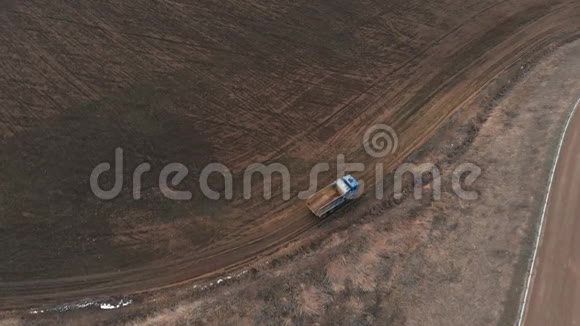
(122, 303)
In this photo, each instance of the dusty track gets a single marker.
(555, 294)
(292, 82)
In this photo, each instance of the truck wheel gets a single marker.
(329, 212)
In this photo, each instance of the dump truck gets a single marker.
(334, 196)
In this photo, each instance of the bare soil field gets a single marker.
(294, 82)
(554, 288)
(409, 262)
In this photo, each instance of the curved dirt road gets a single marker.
(555, 291)
(296, 83)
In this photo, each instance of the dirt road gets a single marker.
(555, 291)
(289, 82)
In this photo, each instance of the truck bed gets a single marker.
(322, 198)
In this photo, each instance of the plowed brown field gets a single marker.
(294, 82)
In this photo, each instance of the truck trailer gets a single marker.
(334, 196)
